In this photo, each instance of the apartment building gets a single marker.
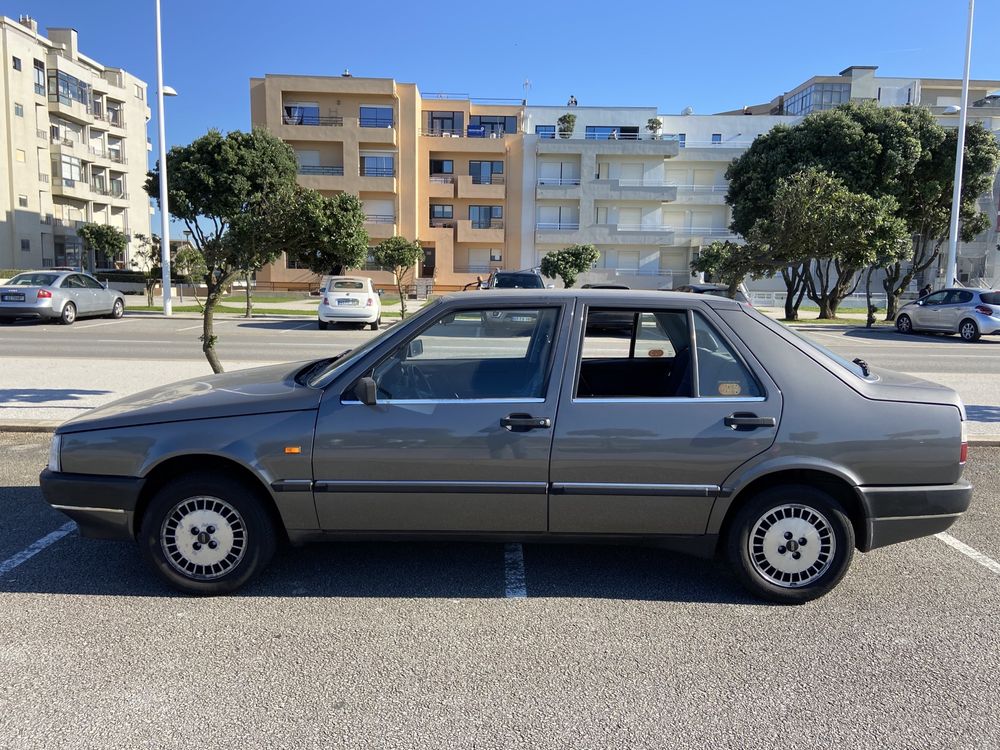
(73, 133)
(979, 260)
(434, 168)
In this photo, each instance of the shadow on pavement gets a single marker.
(470, 570)
(44, 395)
(977, 413)
(304, 323)
(887, 334)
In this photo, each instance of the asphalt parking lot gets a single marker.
(433, 645)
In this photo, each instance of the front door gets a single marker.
(927, 316)
(460, 435)
(653, 417)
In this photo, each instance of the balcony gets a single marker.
(380, 226)
(43, 178)
(312, 120)
(463, 142)
(644, 145)
(42, 134)
(443, 223)
(558, 188)
(66, 226)
(715, 233)
(71, 188)
(378, 172)
(641, 190)
(441, 186)
(469, 231)
(375, 122)
(321, 170)
(477, 187)
(113, 117)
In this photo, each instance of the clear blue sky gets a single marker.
(710, 56)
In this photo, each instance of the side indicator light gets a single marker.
(293, 449)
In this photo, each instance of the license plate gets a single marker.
(12, 298)
(347, 301)
(521, 318)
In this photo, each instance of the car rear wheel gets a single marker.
(117, 310)
(377, 323)
(904, 324)
(791, 544)
(68, 315)
(968, 330)
(207, 534)
(322, 325)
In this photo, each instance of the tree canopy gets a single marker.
(103, 239)
(333, 232)
(567, 264)
(399, 255)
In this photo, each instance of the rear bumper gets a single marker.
(102, 506)
(348, 314)
(989, 325)
(8, 310)
(898, 514)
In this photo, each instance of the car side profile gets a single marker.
(705, 427)
(349, 299)
(970, 313)
(58, 295)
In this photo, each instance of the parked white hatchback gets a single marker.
(349, 299)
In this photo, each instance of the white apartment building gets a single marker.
(73, 135)
(648, 198)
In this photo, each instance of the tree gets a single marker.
(730, 263)
(147, 258)
(189, 264)
(653, 125)
(102, 239)
(399, 255)
(569, 263)
(925, 199)
(334, 237)
(236, 194)
(566, 123)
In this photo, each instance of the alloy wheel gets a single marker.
(791, 545)
(203, 538)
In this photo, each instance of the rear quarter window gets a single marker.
(990, 298)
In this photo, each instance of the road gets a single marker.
(388, 645)
(107, 359)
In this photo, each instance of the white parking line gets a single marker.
(296, 328)
(88, 324)
(28, 552)
(514, 571)
(987, 562)
(189, 328)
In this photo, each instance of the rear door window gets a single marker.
(721, 372)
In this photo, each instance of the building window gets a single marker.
(486, 217)
(445, 123)
(39, 77)
(485, 126)
(496, 256)
(545, 131)
(22, 201)
(17, 62)
(68, 168)
(681, 139)
(66, 89)
(612, 133)
(295, 264)
(138, 92)
(19, 155)
(18, 110)
(486, 172)
(442, 166)
(305, 113)
(378, 166)
(442, 211)
(716, 138)
(26, 246)
(375, 117)
(370, 264)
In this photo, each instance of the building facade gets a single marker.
(73, 133)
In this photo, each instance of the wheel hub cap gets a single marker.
(203, 538)
(791, 545)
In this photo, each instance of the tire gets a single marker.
(117, 310)
(904, 324)
(968, 330)
(224, 510)
(376, 324)
(765, 564)
(322, 325)
(68, 315)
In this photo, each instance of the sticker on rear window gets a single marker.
(730, 389)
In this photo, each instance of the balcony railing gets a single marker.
(99, 188)
(559, 226)
(491, 224)
(481, 268)
(69, 224)
(643, 183)
(117, 156)
(443, 223)
(443, 179)
(375, 122)
(472, 131)
(42, 134)
(378, 172)
(72, 183)
(490, 179)
(45, 218)
(318, 169)
(379, 219)
(43, 177)
(559, 181)
(315, 120)
(705, 231)
(60, 141)
(702, 189)
(643, 227)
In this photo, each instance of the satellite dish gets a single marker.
(687, 111)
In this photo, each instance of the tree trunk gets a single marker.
(149, 292)
(249, 312)
(402, 297)
(870, 321)
(795, 289)
(892, 291)
(208, 330)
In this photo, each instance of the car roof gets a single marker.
(349, 278)
(594, 297)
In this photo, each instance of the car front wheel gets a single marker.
(68, 315)
(904, 324)
(117, 310)
(968, 330)
(791, 544)
(207, 534)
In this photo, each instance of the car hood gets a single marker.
(260, 390)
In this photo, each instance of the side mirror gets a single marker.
(414, 349)
(105, 283)
(550, 286)
(365, 390)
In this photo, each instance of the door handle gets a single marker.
(524, 422)
(744, 421)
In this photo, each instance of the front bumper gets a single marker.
(898, 514)
(102, 506)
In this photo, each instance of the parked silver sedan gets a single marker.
(58, 295)
(970, 313)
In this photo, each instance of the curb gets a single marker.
(50, 425)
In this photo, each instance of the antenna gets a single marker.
(526, 86)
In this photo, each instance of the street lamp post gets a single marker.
(951, 270)
(162, 91)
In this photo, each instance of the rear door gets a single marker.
(652, 421)
(956, 306)
(77, 293)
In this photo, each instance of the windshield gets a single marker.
(518, 281)
(347, 285)
(33, 279)
(790, 333)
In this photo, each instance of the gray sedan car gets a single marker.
(58, 295)
(709, 429)
(970, 313)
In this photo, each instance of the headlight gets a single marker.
(54, 462)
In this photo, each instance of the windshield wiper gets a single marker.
(306, 374)
(863, 365)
